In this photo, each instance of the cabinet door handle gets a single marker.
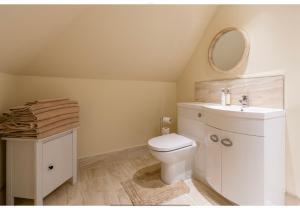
(214, 138)
(199, 115)
(50, 167)
(226, 142)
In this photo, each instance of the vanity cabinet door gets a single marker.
(213, 158)
(242, 168)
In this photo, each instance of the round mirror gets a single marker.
(228, 50)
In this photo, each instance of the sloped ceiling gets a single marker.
(101, 41)
(25, 31)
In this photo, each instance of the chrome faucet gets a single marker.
(244, 101)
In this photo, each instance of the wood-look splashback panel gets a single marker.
(262, 91)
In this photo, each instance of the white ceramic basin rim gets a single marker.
(236, 110)
(250, 112)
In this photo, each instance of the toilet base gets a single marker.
(172, 172)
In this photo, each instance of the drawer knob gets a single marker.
(227, 142)
(50, 167)
(199, 115)
(214, 138)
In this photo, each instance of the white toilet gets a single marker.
(176, 152)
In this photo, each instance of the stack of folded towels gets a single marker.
(40, 119)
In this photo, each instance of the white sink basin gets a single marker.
(236, 110)
(246, 112)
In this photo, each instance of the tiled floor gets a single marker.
(100, 180)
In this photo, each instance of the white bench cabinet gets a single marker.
(35, 167)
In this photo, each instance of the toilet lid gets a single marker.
(169, 142)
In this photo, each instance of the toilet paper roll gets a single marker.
(165, 130)
(167, 120)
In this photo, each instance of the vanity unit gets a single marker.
(244, 149)
(35, 167)
(245, 154)
(240, 150)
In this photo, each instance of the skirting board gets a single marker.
(94, 158)
(291, 199)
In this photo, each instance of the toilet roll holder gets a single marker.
(163, 128)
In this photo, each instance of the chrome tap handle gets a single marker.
(241, 101)
(244, 101)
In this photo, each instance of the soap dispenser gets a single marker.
(223, 97)
(227, 96)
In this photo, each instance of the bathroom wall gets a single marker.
(114, 114)
(275, 48)
(7, 98)
(7, 91)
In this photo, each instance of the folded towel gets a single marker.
(41, 118)
(33, 134)
(46, 101)
(46, 114)
(63, 106)
(36, 105)
(46, 122)
(57, 124)
(13, 127)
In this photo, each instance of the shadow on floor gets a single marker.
(212, 196)
(149, 177)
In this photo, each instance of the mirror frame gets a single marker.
(244, 55)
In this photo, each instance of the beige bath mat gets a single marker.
(146, 187)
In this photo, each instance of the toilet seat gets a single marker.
(169, 142)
